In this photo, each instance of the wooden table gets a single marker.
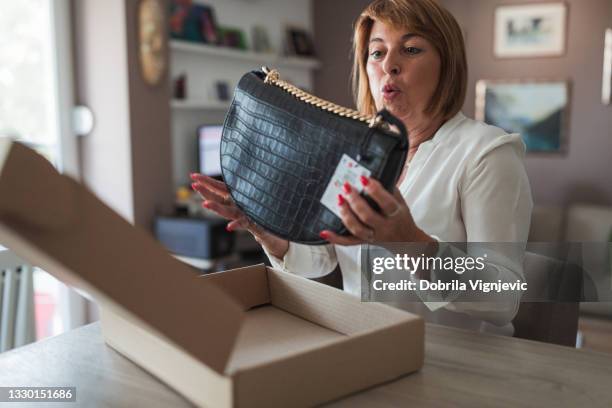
(462, 368)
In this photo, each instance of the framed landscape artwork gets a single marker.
(530, 30)
(536, 109)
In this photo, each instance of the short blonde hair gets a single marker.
(427, 19)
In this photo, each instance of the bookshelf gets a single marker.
(206, 66)
(269, 59)
(204, 52)
(192, 104)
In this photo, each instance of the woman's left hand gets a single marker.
(395, 224)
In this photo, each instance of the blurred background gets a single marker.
(129, 97)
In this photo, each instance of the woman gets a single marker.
(464, 181)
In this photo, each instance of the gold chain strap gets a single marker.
(273, 77)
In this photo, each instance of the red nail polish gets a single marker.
(324, 234)
(227, 228)
(347, 188)
(364, 180)
(192, 175)
(194, 186)
(340, 199)
(206, 204)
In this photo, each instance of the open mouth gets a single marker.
(390, 91)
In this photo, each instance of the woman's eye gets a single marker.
(412, 50)
(376, 54)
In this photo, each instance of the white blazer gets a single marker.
(466, 184)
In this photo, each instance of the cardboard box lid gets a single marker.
(57, 224)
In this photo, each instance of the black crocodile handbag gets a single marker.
(281, 147)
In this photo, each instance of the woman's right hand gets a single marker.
(217, 198)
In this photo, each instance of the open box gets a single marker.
(246, 337)
(301, 343)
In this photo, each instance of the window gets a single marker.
(35, 108)
(27, 108)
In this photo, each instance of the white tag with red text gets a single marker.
(348, 171)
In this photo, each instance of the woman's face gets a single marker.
(403, 70)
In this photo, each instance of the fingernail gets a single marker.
(194, 186)
(192, 175)
(206, 204)
(324, 234)
(228, 228)
(340, 199)
(347, 188)
(364, 180)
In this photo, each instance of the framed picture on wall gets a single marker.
(299, 42)
(530, 30)
(536, 109)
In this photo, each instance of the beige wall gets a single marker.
(583, 174)
(126, 159)
(333, 29)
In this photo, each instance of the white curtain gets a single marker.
(16, 301)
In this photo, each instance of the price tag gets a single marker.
(347, 171)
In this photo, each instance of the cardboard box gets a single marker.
(246, 337)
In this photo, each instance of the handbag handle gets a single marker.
(389, 118)
(272, 76)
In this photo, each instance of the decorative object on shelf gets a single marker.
(261, 41)
(299, 42)
(193, 22)
(606, 82)
(530, 30)
(232, 37)
(152, 43)
(181, 202)
(537, 109)
(223, 93)
(210, 32)
(179, 10)
(180, 87)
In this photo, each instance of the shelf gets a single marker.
(271, 60)
(203, 105)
